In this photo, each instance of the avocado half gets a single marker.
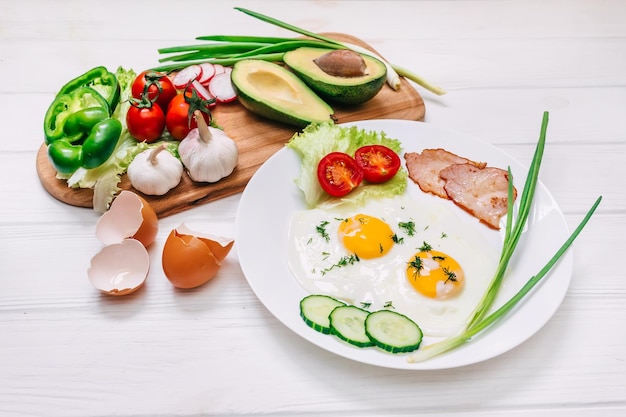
(344, 90)
(274, 92)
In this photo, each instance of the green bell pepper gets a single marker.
(101, 142)
(101, 80)
(65, 157)
(78, 127)
(93, 152)
(79, 124)
(65, 105)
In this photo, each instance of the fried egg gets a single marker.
(417, 258)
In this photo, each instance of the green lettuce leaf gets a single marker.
(318, 140)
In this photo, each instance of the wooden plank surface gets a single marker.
(257, 139)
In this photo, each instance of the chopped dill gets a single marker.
(321, 229)
(389, 304)
(451, 276)
(366, 305)
(425, 247)
(397, 239)
(344, 261)
(407, 227)
(416, 264)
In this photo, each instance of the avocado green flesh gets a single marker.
(273, 92)
(345, 90)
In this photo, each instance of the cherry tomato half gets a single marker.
(379, 163)
(338, 174)
(155, 80)
(145, 123)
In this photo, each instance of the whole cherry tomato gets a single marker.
(379, 163)
(179, 118)
(155, 83)
(338, 174)
(145, 121)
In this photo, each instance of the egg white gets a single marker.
(381, 282)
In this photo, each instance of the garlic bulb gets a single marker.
(155, 172)
(208, 153)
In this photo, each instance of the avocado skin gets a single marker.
(350, 95)
(349, 91)
(265, 109)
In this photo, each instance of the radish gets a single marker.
(203, 92)
(221, 88)
(219, 68)
(208, 71)
(186, 75)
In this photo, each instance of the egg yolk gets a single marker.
(435, 274)
(366, 236)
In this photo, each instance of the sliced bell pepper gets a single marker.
(101, 80)
(65, 105)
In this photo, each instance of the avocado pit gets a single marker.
(342, 63)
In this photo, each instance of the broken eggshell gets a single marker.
(190, 259)
(130, 216)
(127, 228)
(120, 268)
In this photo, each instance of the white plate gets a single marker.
(271, 197)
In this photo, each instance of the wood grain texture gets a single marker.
(257, 139)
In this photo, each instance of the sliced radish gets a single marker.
(222, 89)
(208, 71)
(219, 68)
(203, 92)
(184, 76)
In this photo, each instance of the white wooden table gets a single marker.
(66, 350)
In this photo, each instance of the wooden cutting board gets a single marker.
(257, 140)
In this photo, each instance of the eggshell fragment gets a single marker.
(220, 246)
(130, 216)
(120, 268)
(190, 259)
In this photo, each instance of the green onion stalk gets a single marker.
(232, 49)
(479, 320)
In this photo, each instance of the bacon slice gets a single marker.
(424, 168)
(481, 192)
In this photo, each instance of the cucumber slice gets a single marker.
(348, 323)
(393, 332)
(315, 309)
